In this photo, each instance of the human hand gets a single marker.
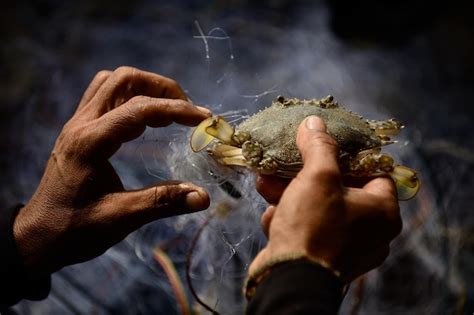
(346, 229)
(80, 207)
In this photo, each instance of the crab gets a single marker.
(266, 141)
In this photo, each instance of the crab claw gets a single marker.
(208, 129)
(406, 181)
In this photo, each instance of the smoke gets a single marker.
(236, 60)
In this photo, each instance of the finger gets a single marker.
(126, 82)
(132, 209)
(383, 194)
(355, 182)
(94, 86)
(374, 217)
(376, 257)
(381, 186)
(266, 219)
(130, 120)
(271, 187)
(366, 262)
(318, 149)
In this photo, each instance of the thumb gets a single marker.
(267, 218)
(318, 149)
(138, 207)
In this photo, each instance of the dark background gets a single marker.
(412, 60)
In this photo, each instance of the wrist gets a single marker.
(261, 268)
(21, 235)
(275, 251)
(20, 282)
(27, 237)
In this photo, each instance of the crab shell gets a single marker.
(266, 142)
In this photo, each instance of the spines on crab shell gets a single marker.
(389, 127)
(326, 102)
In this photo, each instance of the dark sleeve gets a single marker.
(14, 283)
(297, 287)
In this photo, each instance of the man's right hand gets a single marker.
(348, 229)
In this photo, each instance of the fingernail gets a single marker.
(196, 201)
(315, 123)
(204, 110)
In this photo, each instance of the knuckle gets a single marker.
(163, 196)
(102, 74)
(393, 220)
(326, 174)
(69, 132)
(331, 200)
(71, 142)
(390, 230)
(323, 139)
(135, 107)
(125, 70)
(171, 83)
(397, 226)
(322, 175)
(138, 100)
(131, 114)
(124, 74)
(68, 126)
(179, 105)
(317, 143)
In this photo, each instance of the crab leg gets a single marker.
(239, 161)
(228, 155)
(370, 164)
(224, 150)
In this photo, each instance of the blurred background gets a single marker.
(412, 60)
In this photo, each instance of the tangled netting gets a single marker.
(236, 62)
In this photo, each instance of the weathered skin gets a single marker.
(266, 142)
